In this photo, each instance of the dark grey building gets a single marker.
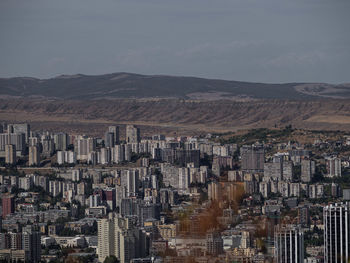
(253, 158)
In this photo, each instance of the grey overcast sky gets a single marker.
(250, 40)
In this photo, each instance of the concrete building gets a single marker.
(287, 172)
(333, 166)
(214, 243)
(115, 131)
(184, 178)
(31, 242)
(130, 182)
(105, 156)
(34, 155)
(214, 191)
(23, 128)
(273, 170)
(16, 139)
(346, 194)
(25, 183)
(48, 146)
(253, 158)
(336, 220)
(132, 134)
(77, 175)
(119, 237)
(8, 205)
(119, 155)
(264, 189)
(289, 244)
(84, 146)
(66, 157)
(303, 216)
(109, 139)
(61, 141)
(10, 154)
(307, 170)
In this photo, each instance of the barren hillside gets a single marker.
(175, 114)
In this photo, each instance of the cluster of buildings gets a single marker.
(171, 199)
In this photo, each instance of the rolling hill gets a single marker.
(127, 85)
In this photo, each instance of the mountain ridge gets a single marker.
(131, 85)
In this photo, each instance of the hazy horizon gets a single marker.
(256, 41)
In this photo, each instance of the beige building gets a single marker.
(10, 154)
(167, 231)
(119, 237)
(34, 155)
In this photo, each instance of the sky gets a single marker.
(270, 41)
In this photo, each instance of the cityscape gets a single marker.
(163, 131)
(259, 196)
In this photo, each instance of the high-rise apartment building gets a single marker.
(105, 155)
(115, 131)
(214, 243)
(10, 154)
(130, 182)
(61, 141)
(109, 139)
(22, 247)
(214, 192)
(33, 141)
(31, 242)
(253, 158)
(119, 236)
(289, 244)
(84, 146)
(8, 205)
(16, 139)
(303, 216)
(184, 178)
(106, 238)
(336, 220)
(132, 134)
(23, 128)
(127, 152)
(48, 145)
(119, 154)
(34, 155)
(307, 170)
(66, 157)
(333, 166)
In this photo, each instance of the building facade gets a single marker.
(336, 219)
(289, 244)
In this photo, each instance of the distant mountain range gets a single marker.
(127, 85)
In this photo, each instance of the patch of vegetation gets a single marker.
(261, 134)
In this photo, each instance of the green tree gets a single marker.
(111, 259)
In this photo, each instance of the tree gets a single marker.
(111, 259)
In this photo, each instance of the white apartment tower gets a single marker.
(289, 244)
(336, 220)
(333, 166)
